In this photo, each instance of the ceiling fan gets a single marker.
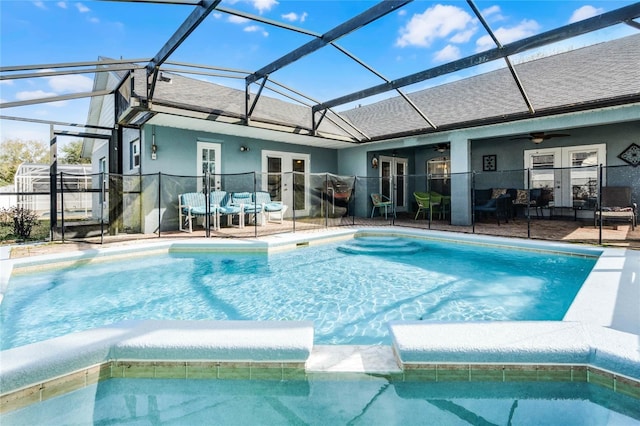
(538, 137)
(441, 147)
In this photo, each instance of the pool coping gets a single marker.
(609, 322)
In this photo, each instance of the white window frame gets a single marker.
(216, 146)
(134, 154)
(287, 181)
(563, 167)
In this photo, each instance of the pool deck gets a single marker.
(601, 329)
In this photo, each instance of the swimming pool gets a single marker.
(592, 347)
(366, 400)
(350, 289)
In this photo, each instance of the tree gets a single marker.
(14, 152)
(72, 153)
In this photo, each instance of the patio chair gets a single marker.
(380, 201)
(427, 201)
(221, 205)
(190, 206)
(272, 211)
(245, 201)
(616, 205)
(499, 207)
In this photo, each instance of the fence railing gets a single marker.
(570, 204)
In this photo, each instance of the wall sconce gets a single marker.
(244, 148)
(154, 147)
(374, 162)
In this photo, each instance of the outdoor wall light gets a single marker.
(244, 148)
(374, 162)
(154, 147)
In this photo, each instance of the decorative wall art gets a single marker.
(489, 163)
(631, 155)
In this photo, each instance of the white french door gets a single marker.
(208, 161)
(285, 175)
(395, 189)
(571, 172)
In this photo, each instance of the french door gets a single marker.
(393, 180)
(286, 178)
(571, 172)
(209, 162)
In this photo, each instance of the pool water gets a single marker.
(350, 290)
(374, 401)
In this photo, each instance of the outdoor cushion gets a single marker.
(498, 192)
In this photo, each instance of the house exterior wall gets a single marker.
(177, 155)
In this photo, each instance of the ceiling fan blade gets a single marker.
(555, 135)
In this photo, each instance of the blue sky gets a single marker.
(421, 35)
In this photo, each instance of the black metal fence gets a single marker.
(561, 204)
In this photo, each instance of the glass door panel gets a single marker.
(298, 166)
(274, 178)
(571, 171)
(209, 162)
(287, 179)
(394, 168)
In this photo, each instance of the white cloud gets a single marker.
(255, 29)
(238, 19)
(62, 4)
(585, 12)
(436, 22)
(449, 53)
(493, 12)
(6, 82)
(82, 8)
(94, 20)
(463, 36)
(40, 4)
(33, 94)
(217, 15)
(293, 17)
(525, 28)
(71, 83)
(264, 5)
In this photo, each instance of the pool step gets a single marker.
(380, 246)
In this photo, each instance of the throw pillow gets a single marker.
(498, 192)
(522, 196)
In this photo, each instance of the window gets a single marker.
(102, 168)
(438, 170)
(134, 154)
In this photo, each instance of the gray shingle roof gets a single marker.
(601, 72)
(598, 72)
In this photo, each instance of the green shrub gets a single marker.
(22, 219)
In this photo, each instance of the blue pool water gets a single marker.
(349, 290)
(375, 401)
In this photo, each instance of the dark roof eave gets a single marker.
(213, 113)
